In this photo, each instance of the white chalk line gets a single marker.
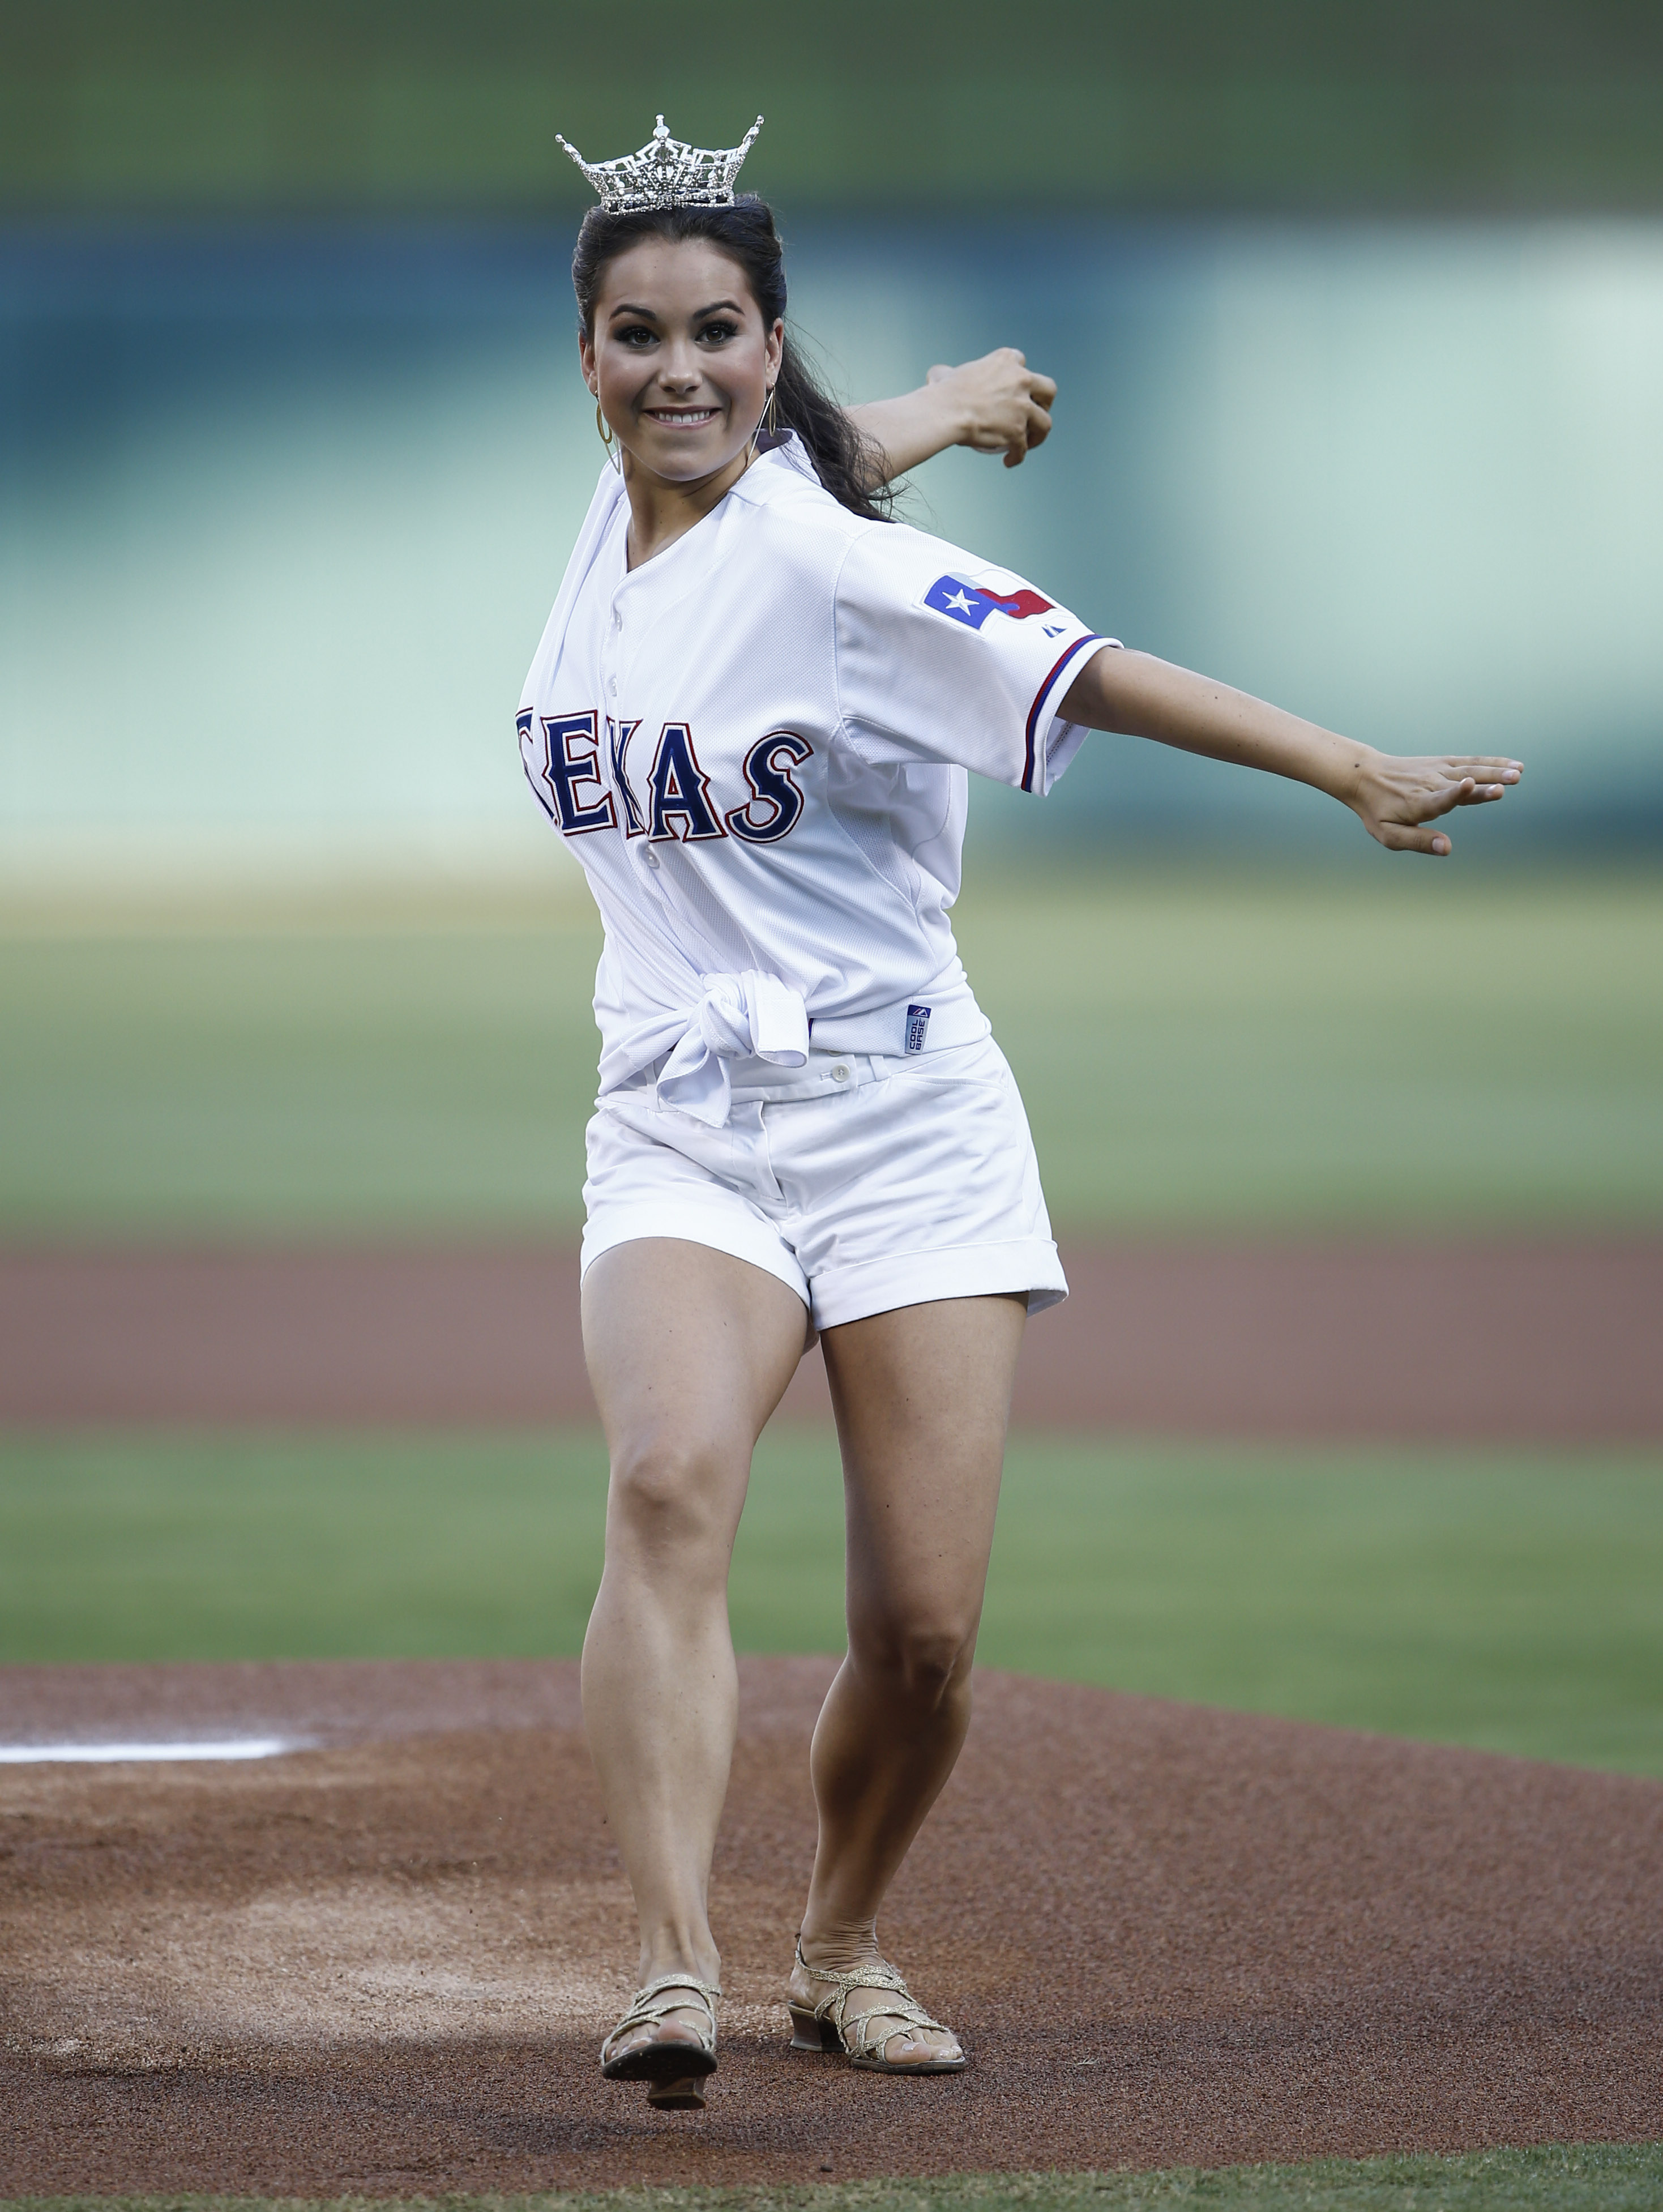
(121, 1754)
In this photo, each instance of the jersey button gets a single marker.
(839, 1073)
(651, 858)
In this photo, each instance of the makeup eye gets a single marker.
(636, 335)
(718, 332)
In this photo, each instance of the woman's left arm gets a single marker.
(998, 405)
(1396, 800)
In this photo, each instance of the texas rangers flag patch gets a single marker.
(971, 604)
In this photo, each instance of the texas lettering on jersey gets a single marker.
(581, 771)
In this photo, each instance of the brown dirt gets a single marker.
(1167, 1935)
(1537, 1342)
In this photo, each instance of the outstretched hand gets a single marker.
(1004, 406)
(1398, 799)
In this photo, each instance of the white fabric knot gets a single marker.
(751, 1016)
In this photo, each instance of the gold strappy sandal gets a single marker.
(828, 2028)
(674, 2072)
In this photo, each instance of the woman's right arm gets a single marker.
(1396, 798)
(996, 405)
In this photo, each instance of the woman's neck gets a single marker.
(661, 511)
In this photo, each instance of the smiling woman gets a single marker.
(751, 716)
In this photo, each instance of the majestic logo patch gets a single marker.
(971, 604)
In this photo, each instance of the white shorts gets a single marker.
(865, 1181)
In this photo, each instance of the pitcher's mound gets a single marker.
(382, 1963)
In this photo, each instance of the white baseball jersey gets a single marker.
(756, 744)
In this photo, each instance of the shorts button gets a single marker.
(839, 1073)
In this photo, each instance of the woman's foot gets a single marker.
(669, 2032)
(831, 1981)
(682, 2023)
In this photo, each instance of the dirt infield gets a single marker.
(1168, 1935)
(1506, 1342)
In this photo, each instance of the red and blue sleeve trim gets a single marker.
(1030, 757)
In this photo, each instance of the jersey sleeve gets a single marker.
(941, 658)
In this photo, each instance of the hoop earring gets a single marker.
(767, 425)
(604, 429)
(769, 416)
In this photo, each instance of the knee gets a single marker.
(925, 1658)
(667, 1495)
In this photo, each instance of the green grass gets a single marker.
(407, 1082)
(1404, 1054)
(1553, 2177)
(1361, 1050)
(1503, 1598)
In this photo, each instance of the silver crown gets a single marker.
(666, 173)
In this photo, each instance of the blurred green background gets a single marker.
(285, 506)
(1357, 312)
(433, 104)
(1396, 1051)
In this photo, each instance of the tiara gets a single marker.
(666, 173)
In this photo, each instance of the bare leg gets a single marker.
(689, 1352)
(922, 1396)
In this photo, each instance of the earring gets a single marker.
(771, 417)
(604, 429)
(765, 427)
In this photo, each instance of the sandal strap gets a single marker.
(649, 2006)
(707, 1990)
(882, 1976)
(870, 2041)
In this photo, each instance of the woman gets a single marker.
(751, 717)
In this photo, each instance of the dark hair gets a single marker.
(847, 463)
